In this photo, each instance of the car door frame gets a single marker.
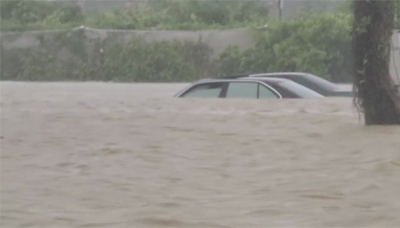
(259, 83)
(195, 85)
(265, 85)
(225, 87)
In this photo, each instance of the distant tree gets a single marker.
(375, 93)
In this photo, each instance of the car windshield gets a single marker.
(299, 90)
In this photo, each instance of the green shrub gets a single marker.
(69, 57)
(22, 15)
(165, 61)
(319, 44)
(182, 15)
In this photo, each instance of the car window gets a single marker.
(209, 90)
(308, 84)
(242, 90)
(300, 90)
(315, 83)
(310, 81)
(266, 93)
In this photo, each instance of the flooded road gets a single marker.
(129, 155)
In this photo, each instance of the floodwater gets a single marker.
(129, 155)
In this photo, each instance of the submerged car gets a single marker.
(318, 84)
(250, 88)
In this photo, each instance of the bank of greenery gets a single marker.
(318, 43)
(22, 15)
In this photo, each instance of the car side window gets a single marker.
(242, 90)
(266, 93)
(208, 90)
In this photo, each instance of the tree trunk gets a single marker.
(375, 94)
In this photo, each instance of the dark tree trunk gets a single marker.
(375, 94)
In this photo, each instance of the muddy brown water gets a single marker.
(129, 155)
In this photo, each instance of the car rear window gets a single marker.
(300, 90)
(327, 85)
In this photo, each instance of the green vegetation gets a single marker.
(317, 42)
(67, 57)
(22, 15)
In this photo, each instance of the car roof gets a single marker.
(280, 74)
(267, 75)
(241, 78)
